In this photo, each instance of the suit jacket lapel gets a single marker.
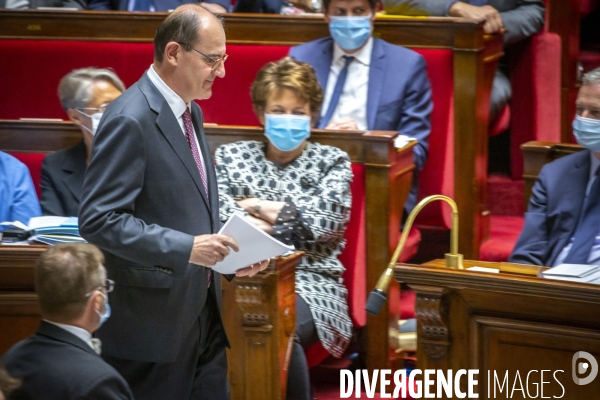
(211, 179)
(376, 77)
(73, 178)
(170, 128)
(576, 186)
(322, 66)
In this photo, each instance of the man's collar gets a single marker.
(175, 102)
(75, 330)
(363, 55)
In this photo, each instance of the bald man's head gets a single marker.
(182, 26)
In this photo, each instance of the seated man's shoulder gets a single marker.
(401, 53)
(567, 163)
(308, 47)
(52, 364)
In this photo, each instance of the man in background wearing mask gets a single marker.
(61, 360)
(84, 94)
(369, 84)
(562, 223)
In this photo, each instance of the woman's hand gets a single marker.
(268, 210)
(261, 224)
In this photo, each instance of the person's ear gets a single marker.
(98, 302)
(75, 116)
(172, 51)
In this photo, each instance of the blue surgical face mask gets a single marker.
(587, 132)
(106, 314)
(350, 33)
(287, 131)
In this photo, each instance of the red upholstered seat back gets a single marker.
(33, 161)
(438, 175)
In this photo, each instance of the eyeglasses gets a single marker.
(109, 285)
(212, 61)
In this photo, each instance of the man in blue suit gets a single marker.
(562, 223)
(369, 83)
(215, 6)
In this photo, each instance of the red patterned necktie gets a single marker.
(189, 134)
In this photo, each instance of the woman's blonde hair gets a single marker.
(287, 73)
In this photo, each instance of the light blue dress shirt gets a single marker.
(18, 200)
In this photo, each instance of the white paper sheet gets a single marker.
(255, 245)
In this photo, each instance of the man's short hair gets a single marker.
(591, 78)
(64, 275)
(75, 88)
(326, 3)
(181, 27)
(287, 73)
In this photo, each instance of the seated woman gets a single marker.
(299, 192)
(84, 94)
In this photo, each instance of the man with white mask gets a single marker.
(84, 94)
(62, 360)
(369, 83)
(562, 222)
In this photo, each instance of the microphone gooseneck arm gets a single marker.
(378, 296)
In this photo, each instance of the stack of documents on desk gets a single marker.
(50, 230)
(254, 243)
(402, 140)
(574, 273)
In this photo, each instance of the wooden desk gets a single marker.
(475, 59)
(504, 322)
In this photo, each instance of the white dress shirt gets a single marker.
(177, 105)
(353, 100)
(80, 333)
(594, 257)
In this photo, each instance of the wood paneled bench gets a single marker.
(461, 63)
(382, 180)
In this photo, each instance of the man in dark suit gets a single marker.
(84, 94)
(150, 201)
(369, 83)
(61, 360)
(520, 18)
(216, 6)
(562, 222)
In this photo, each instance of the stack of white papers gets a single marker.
(50, 230)
(402, 140)
(574, 273)
(255, 245)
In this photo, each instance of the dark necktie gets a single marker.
(588, 228)
(337, 92)
(141, 5)
(189, 134)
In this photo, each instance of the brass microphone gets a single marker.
(378, 296)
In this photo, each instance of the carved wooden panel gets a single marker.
(431, 312)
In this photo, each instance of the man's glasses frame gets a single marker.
(212, 61)
(109, 286)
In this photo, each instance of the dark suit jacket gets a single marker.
(159, 5)
(55, 364)
(143, 202)
(398, 97)
(521, 18)
(62, 180)
(79, 4)
(553, 211)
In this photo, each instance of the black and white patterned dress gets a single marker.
(316, 188)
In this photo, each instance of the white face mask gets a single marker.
(95, 121)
